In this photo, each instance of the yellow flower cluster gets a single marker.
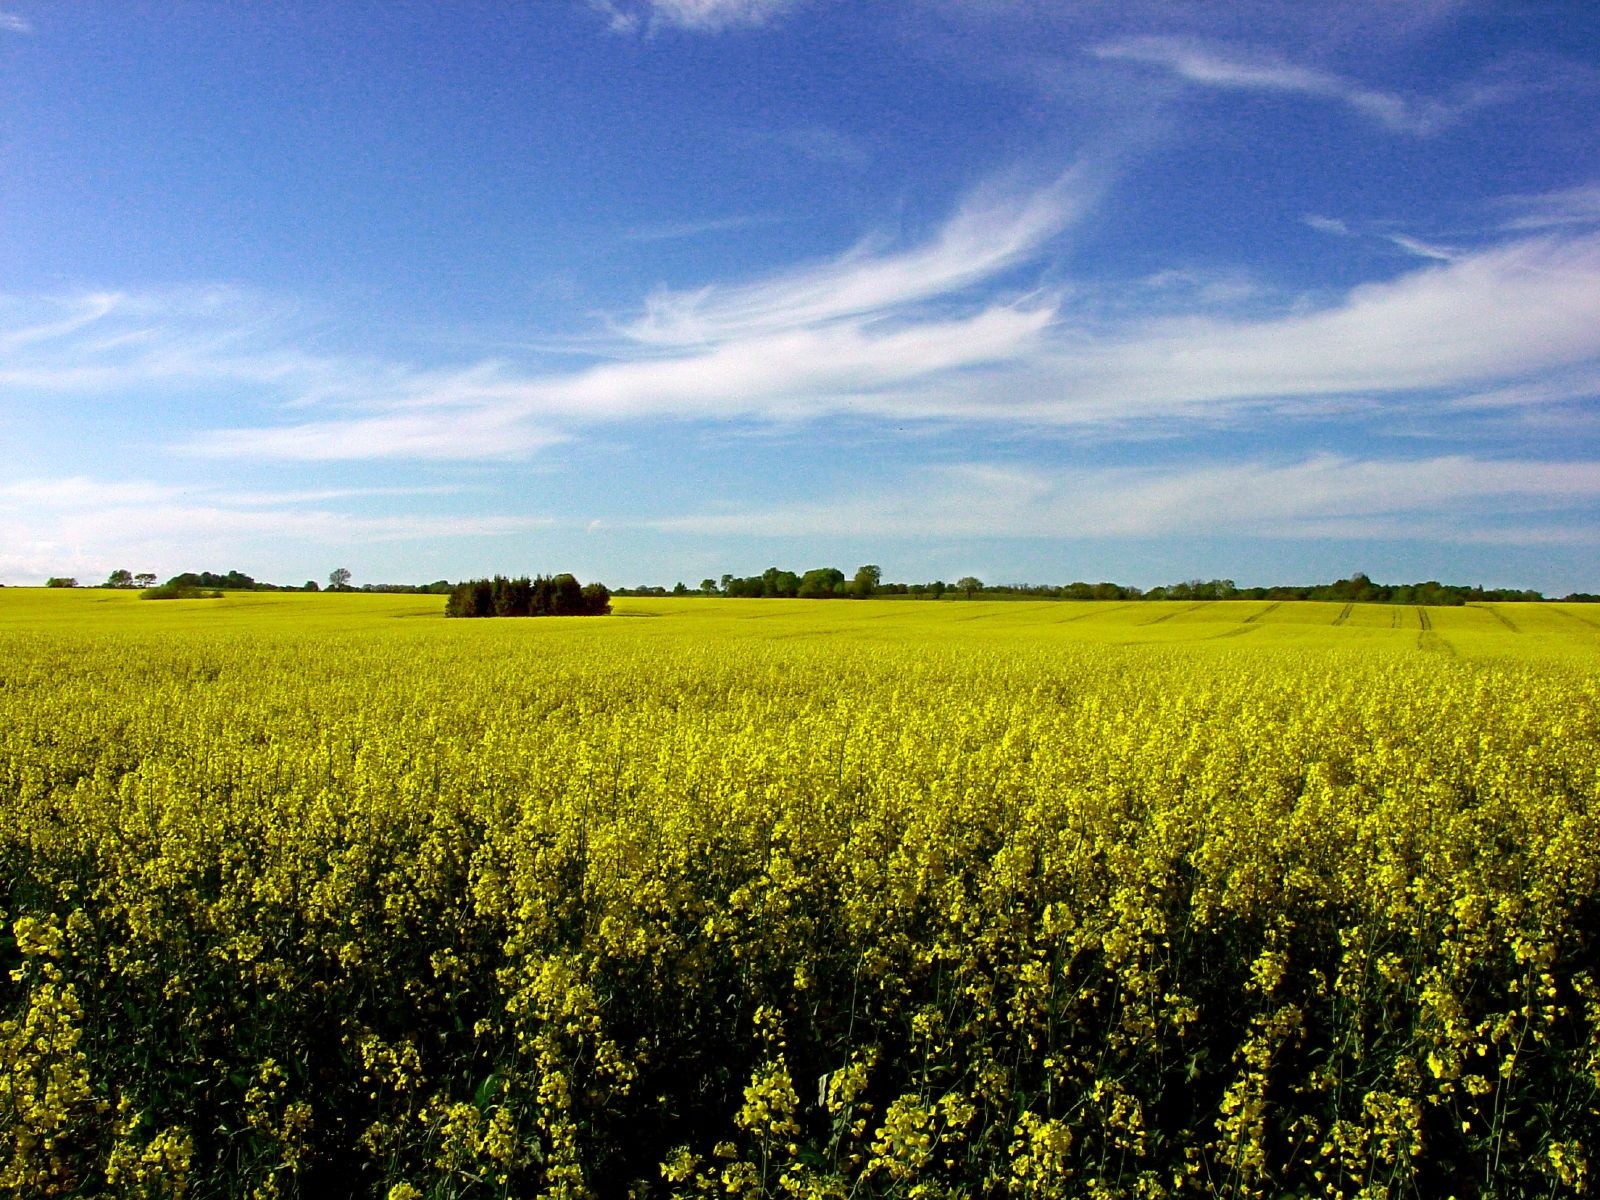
(778, 900)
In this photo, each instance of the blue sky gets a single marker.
(652, 290)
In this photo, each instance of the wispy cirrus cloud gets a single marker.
(800, 344)
(823, 145)
(1207, 64)
(1422, 249)
(87, 526)
(12, 23)
(120, 340)
(946, 329)
(1553, 210)
(677, 230)
(1514, 309)
(707, 16)
(480, 431)
(991, 232)
(1454, 498)
(1525, 312)
(1411, 245)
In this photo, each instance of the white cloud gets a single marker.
(812, 341)
(823, 145)
(1209, 65)
(708, 16)
(939, 330)
(1454, 498)
(12, 23)
(87, 527)
(480, 432)
(673, 231)
(1411, 245)
(1552, 210)
(1422, 249)
(992, 231)
(1521, 310)
(1523, 315)
(118, 341)
(1331, 225)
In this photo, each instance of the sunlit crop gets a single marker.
(327, 895)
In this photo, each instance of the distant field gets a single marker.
(329, 895)
(1477, 631)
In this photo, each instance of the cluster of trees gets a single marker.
(233, 581)
(179, 591)
(829, 583)
(127, 579)
(542, 596)
(820, 583)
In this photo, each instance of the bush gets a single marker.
(179, 591)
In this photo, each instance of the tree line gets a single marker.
(542, 596)
(825, 583)
(830, 583)
(190, 583)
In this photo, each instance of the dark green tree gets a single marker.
(567, 596)
(820, 583)
(866, 581)
(778, 582)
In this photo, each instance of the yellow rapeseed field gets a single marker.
(327, 895)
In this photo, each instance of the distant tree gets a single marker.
(145, 579)
(567, 596)
(819, 583)
(236, 581)
(339, 579)
(179, 591)
(61, 581)
(471, 599)
(119, 579)
(511, 597)
(777, 582)
(680, 588)
(708, 587)
(969, 584)
(866, 581)
(596, 600)
(311, 586)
